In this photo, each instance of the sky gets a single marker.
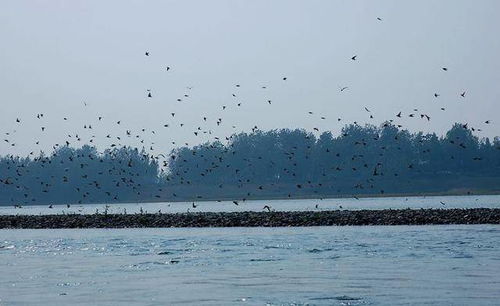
(82, 60)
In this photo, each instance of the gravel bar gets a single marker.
(258, 219)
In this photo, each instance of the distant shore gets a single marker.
(257, 219)
(456, 192)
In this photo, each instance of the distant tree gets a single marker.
(360, 160)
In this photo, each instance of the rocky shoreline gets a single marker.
(257, 219)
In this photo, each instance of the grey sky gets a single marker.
(56, 55)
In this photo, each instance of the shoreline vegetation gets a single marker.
(256, 219)
(277, 164)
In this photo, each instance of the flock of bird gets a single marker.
(199, 130)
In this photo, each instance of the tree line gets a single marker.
(80, 175)
(261, 164)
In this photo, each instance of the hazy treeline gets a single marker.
(77, 176)
(360, 160)
(277, 163)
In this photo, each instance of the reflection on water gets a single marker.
(472, 201)
(409, 265)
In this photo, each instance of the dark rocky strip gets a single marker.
(252, 219)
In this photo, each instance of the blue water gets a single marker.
(416, 202)
(373, 265)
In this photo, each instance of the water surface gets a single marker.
(373, 265)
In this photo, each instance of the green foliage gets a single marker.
(77, 176)
(362, 159)
(276, 163)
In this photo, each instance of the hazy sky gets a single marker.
(56, 55)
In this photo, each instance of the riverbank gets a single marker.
(220, 198)
(258, 219)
